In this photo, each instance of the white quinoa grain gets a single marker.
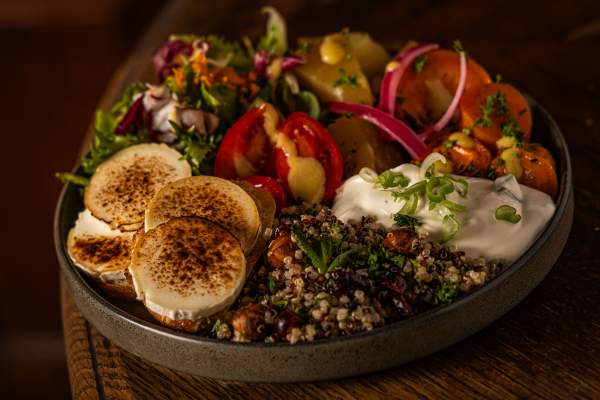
(294, 335)
(317, 314)
(342, 314)
(359, 295)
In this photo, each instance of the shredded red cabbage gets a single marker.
(291, 62)
(262, 59)
(163, 57)
(396, 129)
(260, 63)
(133, 118)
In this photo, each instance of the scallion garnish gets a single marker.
(507, 213)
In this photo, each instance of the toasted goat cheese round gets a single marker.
(187, 269)
(99, 250)
(122, 186)
(265, 203)
(215, 199)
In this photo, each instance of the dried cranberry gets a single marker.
(360, 280)
(339, 282)
(395, 283)
(281, 230)
(285, 321)
(402, 305)
(443, 254)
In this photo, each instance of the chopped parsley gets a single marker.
(457, 46)
(345, 79)
(419, 63)
(511, 128)
(304, 46)
(498, 78)
(449, 143)
(407, 221)
(446, 292)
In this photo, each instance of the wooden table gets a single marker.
(549, 345)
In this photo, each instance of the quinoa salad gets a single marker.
(379, 277)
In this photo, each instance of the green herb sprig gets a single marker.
(345, 79)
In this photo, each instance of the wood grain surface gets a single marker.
(549, 345)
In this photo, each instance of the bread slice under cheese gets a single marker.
(215, 199)
(187, 270)
(122, 186)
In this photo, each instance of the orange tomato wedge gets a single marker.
(539, 170)
(469, 161)
(471, 109)
(442, 66)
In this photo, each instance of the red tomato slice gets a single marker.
(273, 187)
(246, 148)
(311, 140)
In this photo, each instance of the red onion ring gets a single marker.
(391, 79)
(394, 128)
(260, 62)
(441, 124)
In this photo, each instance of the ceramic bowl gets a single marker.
(129, 326)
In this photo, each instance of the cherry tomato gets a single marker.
(273, 187)
(470, 159)
(538, 168)
(415, 88)
(538, 173)
(311, 140)
(246, 148)
(471, 106)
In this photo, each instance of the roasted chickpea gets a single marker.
(249, 322)
(280, 248)
(400, 240)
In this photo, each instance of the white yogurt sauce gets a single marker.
(480, 234)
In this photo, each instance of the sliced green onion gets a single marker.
(436, 189)
(390, 179)
(368, 175)
(416, 188)
(463, 186)
(410, 205)
(452, 206)
(428, 163)
(450, 227)
(507, 213)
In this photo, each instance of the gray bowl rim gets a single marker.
(565, 182)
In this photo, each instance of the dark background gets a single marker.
(58, 56)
